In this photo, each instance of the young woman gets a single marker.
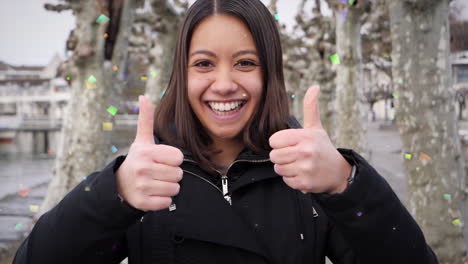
(219, 172)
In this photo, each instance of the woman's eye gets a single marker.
(246, 63)
(203, 64)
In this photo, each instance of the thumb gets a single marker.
(145, 121)
(311, 109)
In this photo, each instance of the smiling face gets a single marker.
(224, 76)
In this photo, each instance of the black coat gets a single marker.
(268, 222)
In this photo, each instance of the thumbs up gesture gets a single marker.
(150, 174)
(306, 158)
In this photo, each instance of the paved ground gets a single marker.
(15, 213)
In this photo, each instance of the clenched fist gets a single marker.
(150, 174)
(306, 158)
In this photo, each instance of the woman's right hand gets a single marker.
(150, 174)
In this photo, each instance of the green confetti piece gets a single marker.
(102, 19)
(335, 59)
(456, 222)
(395, 95)
(18, 226)
(112, 110)
(293, 96)
(276, 16)
(408, 156)
(447, 196)
(92, 79)
(68, 78)
(351, 2)
(153, 74)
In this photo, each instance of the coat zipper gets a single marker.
(224, 178)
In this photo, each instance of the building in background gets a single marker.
(32, 105)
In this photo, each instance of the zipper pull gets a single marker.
(224, 181)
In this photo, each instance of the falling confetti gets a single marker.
(408, 156)
(68, 78)
(49, 151)
(87, 189)
(114, 149)
(424, 156)
(344, 13)
(162, 94)
(144, 78)
(153, 74)
(395, 95)
(447, 196)
(107, 126)
(335, 59)
(24, 192)
(92, 79)
(112, 110)
(276, 16)
(351, 2)
(90, 85)
(293, 96)
(456, 222)
(19, 226)
(359, 214)
(135, 109)
(34, 208)
(102, 19)
(84, 178)
(115, 68)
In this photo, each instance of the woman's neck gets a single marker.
(230, 149)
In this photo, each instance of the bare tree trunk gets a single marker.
(427, 122)
(350, 111)
(84, 143)
(161, 53)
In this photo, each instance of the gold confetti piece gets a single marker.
(90, 85)
(144, 78)
(107, 126)
(87, 189)
(424, 156)
(34, 208)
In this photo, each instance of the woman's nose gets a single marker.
(224, 82)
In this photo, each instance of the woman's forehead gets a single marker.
(222, 31)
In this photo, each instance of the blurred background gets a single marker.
(393, 77)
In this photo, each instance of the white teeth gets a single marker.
(225, 106)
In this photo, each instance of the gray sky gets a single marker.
(30, 34)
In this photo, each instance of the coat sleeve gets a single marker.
(369, 224)
(87, 226)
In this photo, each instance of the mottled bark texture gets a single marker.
(162, 50)
(350, 109)
(426, 118)
(84, 145)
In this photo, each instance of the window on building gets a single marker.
(462, 74)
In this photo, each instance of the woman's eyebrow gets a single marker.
(211, 54)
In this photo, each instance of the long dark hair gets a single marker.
(273, 111)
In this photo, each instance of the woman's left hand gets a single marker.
(306, 158)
